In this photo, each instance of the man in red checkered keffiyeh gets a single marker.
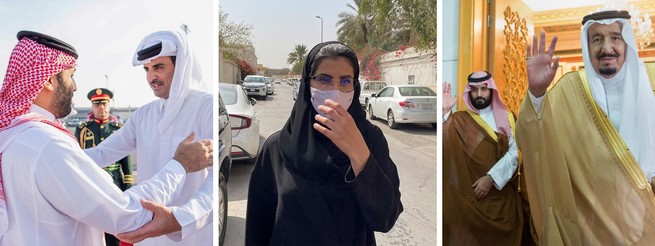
(37, 61)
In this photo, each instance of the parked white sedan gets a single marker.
(244, 122)
(404, 104)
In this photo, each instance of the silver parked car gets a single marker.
(270, 88)
(404, 104)
(255, 85)
(369, 88)
(244, 122)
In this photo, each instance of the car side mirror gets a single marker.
(253, 101)
(374, 95)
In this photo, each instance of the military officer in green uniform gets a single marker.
(91, 133)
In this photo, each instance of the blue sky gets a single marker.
(105, 33)
(280, 25)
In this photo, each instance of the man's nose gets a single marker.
(607, 47)
(151, 76)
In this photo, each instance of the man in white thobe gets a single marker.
(155, 128)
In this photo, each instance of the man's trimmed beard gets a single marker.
(61, 104)
(607, 70)
(486, 103)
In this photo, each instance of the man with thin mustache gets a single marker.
(170, 68)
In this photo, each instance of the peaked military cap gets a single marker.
(99, 94)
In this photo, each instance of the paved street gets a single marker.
(412, 147)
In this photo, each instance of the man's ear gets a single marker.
(50, 83)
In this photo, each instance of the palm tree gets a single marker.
(378, 26)
(298, 54)
(354, 28)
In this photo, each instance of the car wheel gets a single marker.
(370, 112)
(391, 120)
(222, 208)
(266, 96)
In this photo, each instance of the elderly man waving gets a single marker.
(588, 142)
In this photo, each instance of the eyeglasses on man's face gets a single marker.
(326, 82)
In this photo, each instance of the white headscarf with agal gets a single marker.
(635, 120)
(187, 69)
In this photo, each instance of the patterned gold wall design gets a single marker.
(516, 36)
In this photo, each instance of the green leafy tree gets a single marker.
(231, 33)
(298, 54)
(354, 26)
(297, 67)
(233, 37)
(414, 19)
(297, 58)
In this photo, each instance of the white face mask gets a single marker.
(343, 98)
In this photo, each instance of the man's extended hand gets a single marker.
(194, 156)
(541, 71)
(447, 98)
(482, 186)
(163, 222)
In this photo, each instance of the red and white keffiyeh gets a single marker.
(497, 105)
(30, 66)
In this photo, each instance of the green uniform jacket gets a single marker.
(91, 133)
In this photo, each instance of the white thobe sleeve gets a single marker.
(118, 145)
(197, 212)
(70, 181)
(504, 169)
(445, 117)
(536, 101)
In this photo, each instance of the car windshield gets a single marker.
(229, 95)
(254, 79)
(416, 91)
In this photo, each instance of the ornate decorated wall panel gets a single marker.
(514, 63)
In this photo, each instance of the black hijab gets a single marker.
(306, 151)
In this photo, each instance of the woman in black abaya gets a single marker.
(326, 178)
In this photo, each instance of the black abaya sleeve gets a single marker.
(262, 196)
(377, 188)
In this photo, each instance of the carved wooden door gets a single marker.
(510, 23)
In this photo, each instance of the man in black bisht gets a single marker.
(324, 179)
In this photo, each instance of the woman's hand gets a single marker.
(341, 129)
